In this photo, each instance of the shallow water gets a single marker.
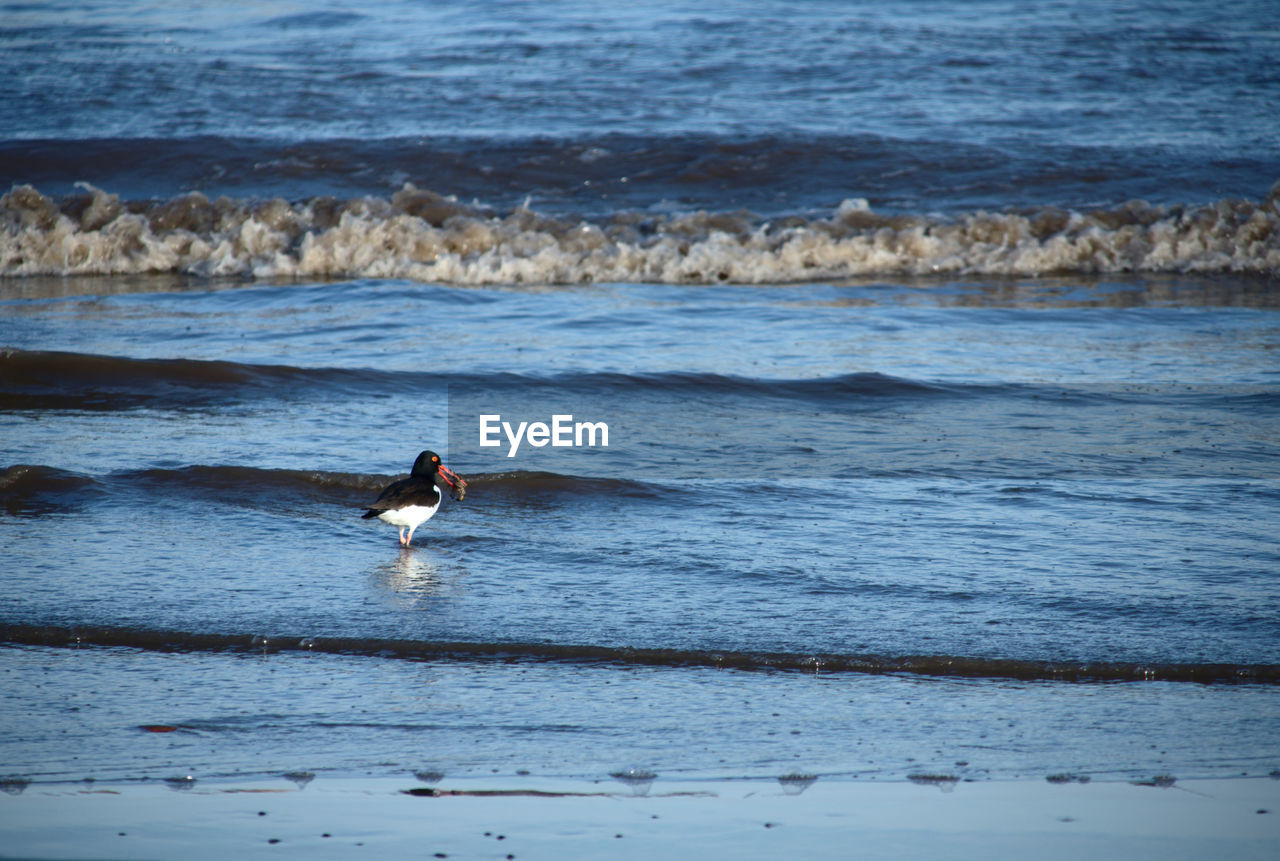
(249, 714)
(1011, 520)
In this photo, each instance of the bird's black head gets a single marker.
(426, 464)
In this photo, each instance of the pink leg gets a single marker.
(402, 541)
(410, 538)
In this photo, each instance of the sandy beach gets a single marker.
(536, 818)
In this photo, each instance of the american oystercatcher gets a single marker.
(410, 502)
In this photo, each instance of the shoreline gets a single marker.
(537, 818)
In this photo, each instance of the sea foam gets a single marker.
(428, 237)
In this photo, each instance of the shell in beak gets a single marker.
(447, 478)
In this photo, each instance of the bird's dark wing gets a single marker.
(407, 491)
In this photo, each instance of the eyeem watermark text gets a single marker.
(562, 432)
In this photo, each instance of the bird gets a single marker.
(410, 502)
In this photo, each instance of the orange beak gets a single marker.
(457, 486)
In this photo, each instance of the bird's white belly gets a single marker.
(411, 515)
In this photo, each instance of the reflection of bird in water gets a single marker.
(410, 502)
(412, 576)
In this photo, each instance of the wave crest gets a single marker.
(425, 236)
(420, 650)
(48, 380)
(37, 379)
(28, 489)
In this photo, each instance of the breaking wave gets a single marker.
(429, 237)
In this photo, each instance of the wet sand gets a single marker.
(542, 818)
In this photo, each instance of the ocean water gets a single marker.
(936, 343)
